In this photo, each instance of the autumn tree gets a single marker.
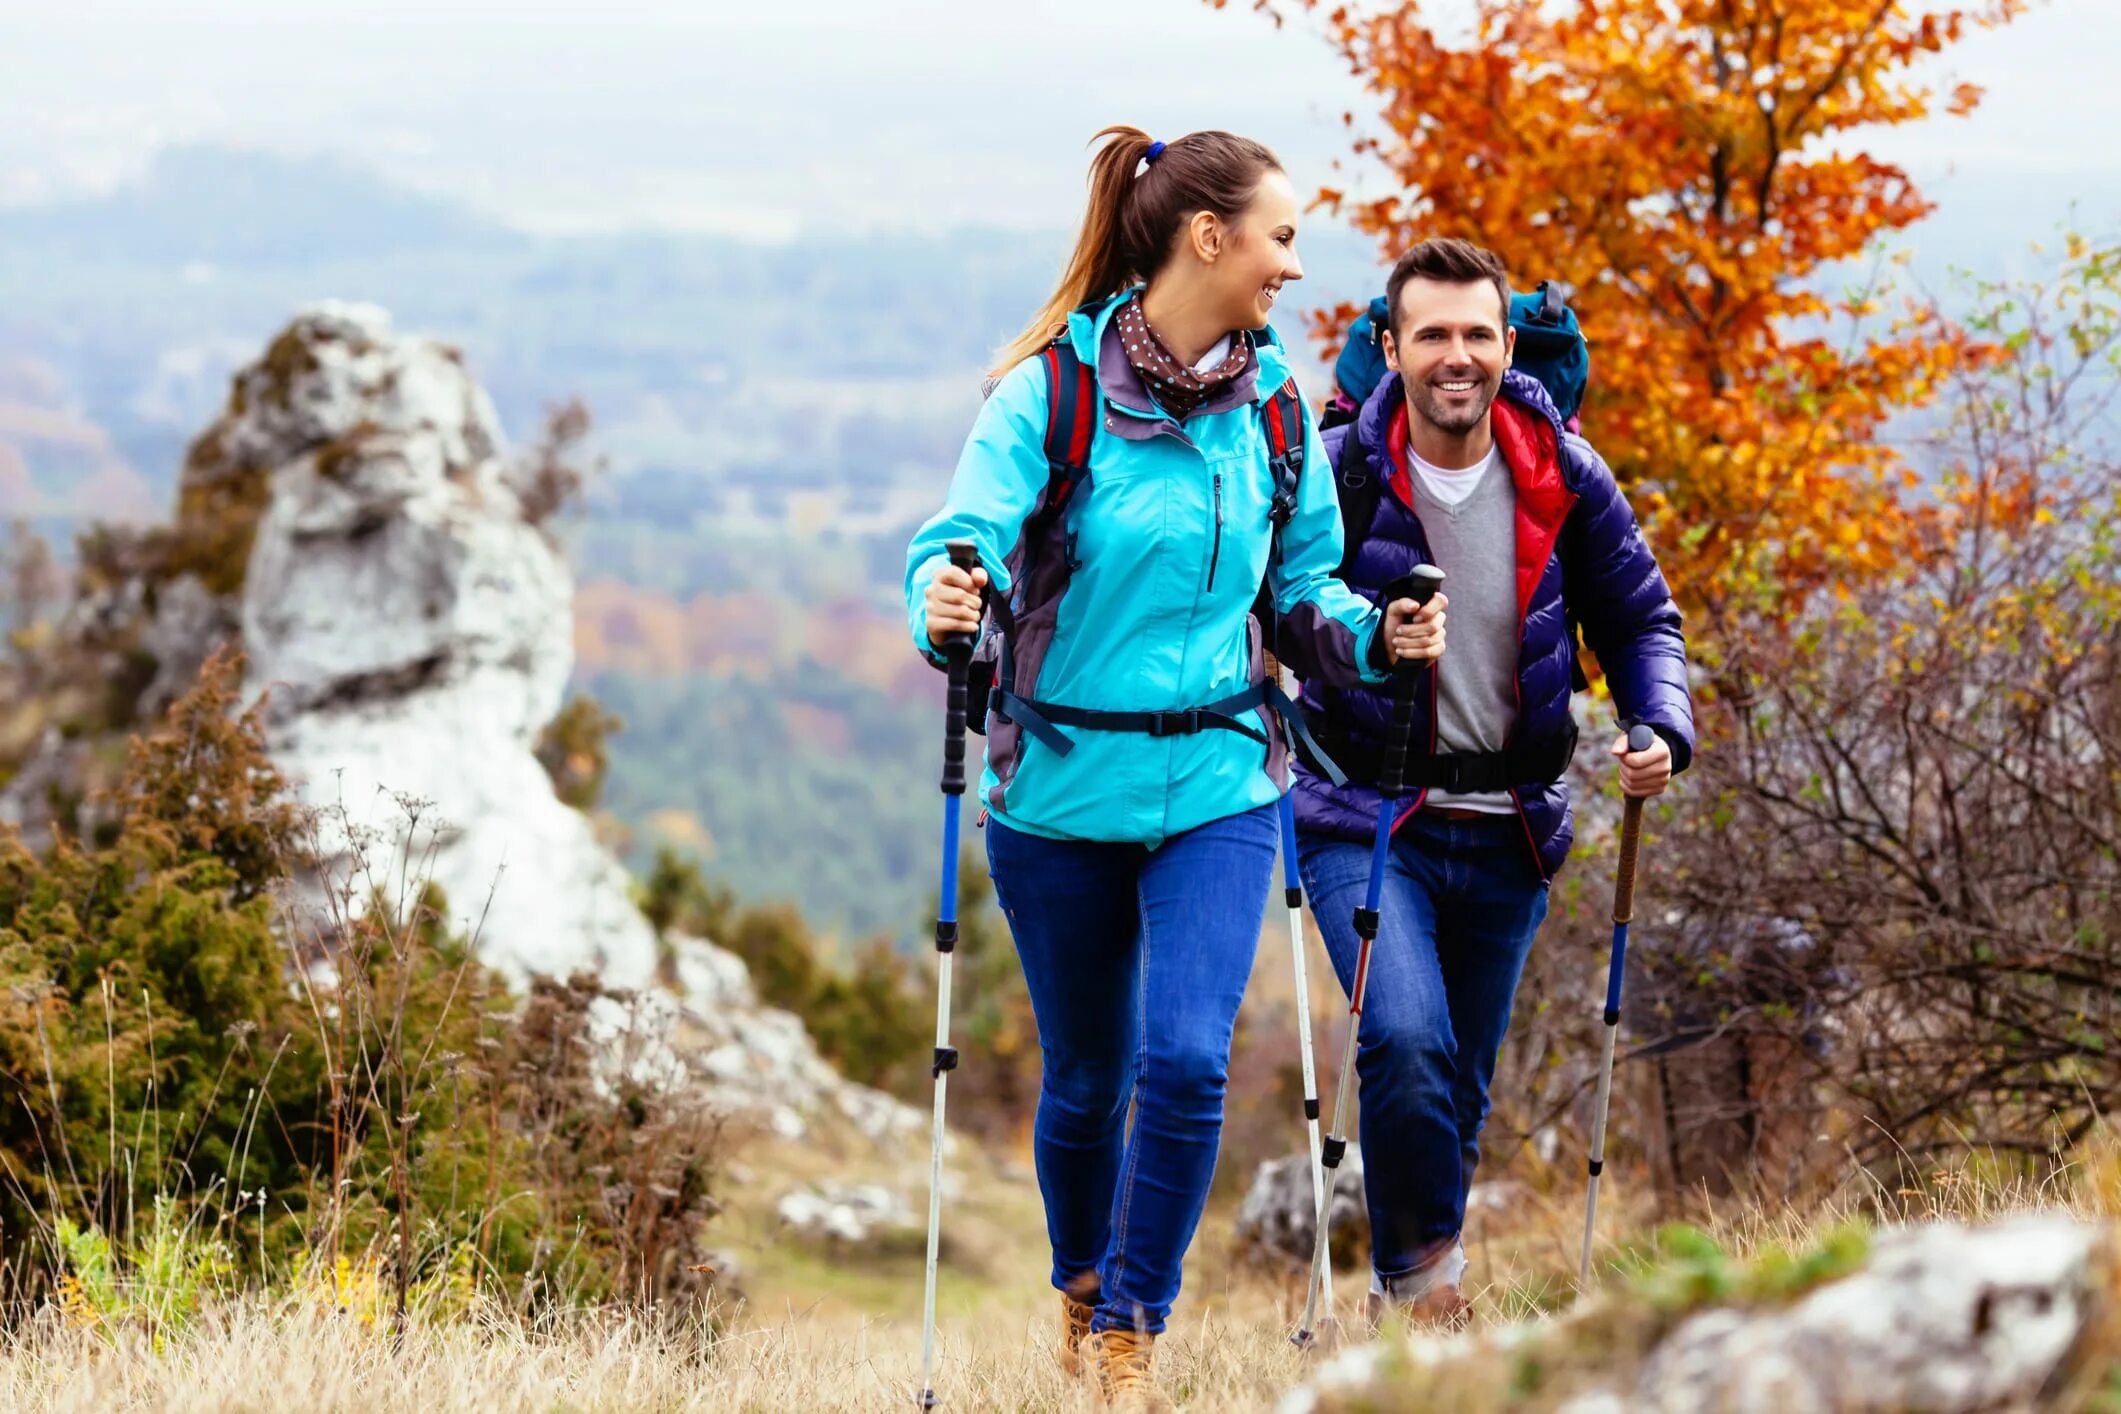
(1899, 878)
(1693, 169)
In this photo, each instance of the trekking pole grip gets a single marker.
(1640, 738)
(957, 654)
(1419, 584)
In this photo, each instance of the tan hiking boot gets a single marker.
(1125, 1379)
(1441, 1308)
(1078, 1305)
(1438, 1308)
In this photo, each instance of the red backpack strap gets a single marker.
(1071, 420)
(1285, 453)
(1071, 417)
(1071, 425)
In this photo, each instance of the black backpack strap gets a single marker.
(1286, 439)
(1533, 763)
(1042, 719)
(1360, 489)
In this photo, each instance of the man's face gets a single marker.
(1450, 345)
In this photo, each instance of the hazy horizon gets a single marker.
(820, 115)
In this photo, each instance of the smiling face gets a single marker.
(1450, 344)
(1255, 255)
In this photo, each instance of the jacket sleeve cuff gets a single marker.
(1676, 742)
(1376, 662)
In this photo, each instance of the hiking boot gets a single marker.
(1125, 1381)
(1440, 1308)
(1078, 1305)
(1428, 1297)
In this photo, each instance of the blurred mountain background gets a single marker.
(780, 351)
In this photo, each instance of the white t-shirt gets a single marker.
(1449, 486)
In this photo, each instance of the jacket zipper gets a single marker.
(1215, 557)
(1517, 800)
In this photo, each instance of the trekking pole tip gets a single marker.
(1324, 1338)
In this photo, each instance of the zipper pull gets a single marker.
(1215, 557)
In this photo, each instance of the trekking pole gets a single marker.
(1293, 892)
(1640, 738)
(957, 654)
(1420, 584)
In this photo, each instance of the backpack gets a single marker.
(1071, 423)
(1550, 347)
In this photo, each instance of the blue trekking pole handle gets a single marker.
(1640, 738)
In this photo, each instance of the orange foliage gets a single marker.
(1691, 167)
(622, 628)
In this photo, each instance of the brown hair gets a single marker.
(1448, 261)
(1133, 220)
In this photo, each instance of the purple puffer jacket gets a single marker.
(1576, 541)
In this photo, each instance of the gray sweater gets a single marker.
(1475, 545)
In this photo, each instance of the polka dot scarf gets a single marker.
(1178, 389)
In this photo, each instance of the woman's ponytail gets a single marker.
(1098, 266)
(1135, 214)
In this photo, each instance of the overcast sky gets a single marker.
(768, 116)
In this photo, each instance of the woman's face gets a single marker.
(1257, 255)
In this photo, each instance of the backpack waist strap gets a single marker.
(1528, 763)
(1043, 720)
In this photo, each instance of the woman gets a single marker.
(1132, 767)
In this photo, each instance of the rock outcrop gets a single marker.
(847, 1215)
(1277, 1223)
(1277, 1219)
(411, 632)
(355, 523)
(1942, 1319)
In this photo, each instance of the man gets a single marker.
(1480, 478)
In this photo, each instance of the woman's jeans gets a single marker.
(1462, 900)
(1137, 960)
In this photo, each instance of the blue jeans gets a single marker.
(1462, 900)
(1137, 960)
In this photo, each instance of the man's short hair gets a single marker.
(1448, 261)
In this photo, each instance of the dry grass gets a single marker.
(838, 1331)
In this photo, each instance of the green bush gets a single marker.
(183, 1056)
(872, 1018)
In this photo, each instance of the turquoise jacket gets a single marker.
(1171, 540)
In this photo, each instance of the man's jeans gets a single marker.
(1137, 960)
(1462, 900)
